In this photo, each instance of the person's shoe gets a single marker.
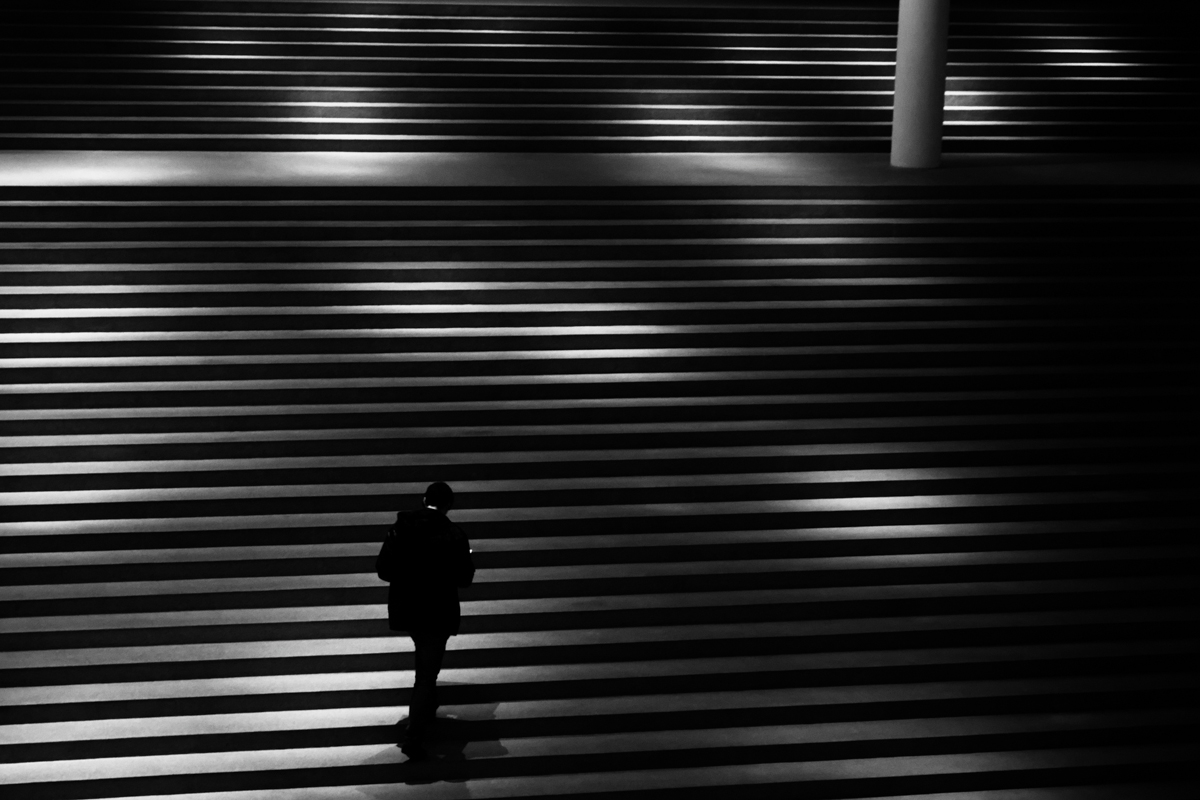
(416, 752)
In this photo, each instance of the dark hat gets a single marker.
(439, 495)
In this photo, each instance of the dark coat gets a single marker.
(425, 558)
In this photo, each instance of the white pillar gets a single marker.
(920, 83)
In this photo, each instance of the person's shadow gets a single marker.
(465, 730)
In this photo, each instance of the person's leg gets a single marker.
(422, 709)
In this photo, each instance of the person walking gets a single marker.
(426, 558)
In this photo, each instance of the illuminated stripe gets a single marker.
(533, 31)
(519, 355)
(490, 285)
(361, 681)
(737, 777)
(553, 605)
(66, 527)
(312, 719)
(524, 331)
(618, 541)
(427, 121)
(179, 411)
(566, 44)
(358, 681)
(391, 488)
(365, 137)
(346, 756)
(268, 522)
(134, 466)
(458, 89)
(506, 243)
(299, 684)
(462, 431)
(632, 222)
(508, 308)
(573, 378)
(550, 264)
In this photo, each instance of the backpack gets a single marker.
(418, 542)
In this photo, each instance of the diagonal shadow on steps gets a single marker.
(460, 735)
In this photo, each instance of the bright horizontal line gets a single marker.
(343, 757)
(453, 89)
(235, 616)
(459, 356)
(516, 487)
(367, 267)
(397, 75)
(530, 18)
(164, 466)
(362, 717)
(625, 742)
(539, 242)
(498, 31)
(684, 202)
(353, 43)
(609, 17)
(511, 380)
(556, 605)
(996, 123)
(1032, 138)
(498, 308)
(360, 580)
(492, 285)
(380, 520)
(1066, 119)
(600, 541)
(315, 683)
(887, 47)
(775, 32)
(93, 387)
(583, 222)
(194, 336)
(330, 120)
(429, 431)
(1008, 81)
(647, 123)
(363, 104)
(187, 494)
(347, 756)
(1039, 93)
(186, 412)
(356, 137)
(468, 60)
(508, 106)
(575, 572)
(360, 681)
(310, 614)
(639, 540)
(693, 778)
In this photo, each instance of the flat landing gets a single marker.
(193, 168)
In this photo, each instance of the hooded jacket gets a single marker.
(425, 558)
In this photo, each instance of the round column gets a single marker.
(917, 115)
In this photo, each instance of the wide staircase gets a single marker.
(1049, 76)
(793, 491)
(819, 492)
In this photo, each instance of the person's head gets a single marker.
(439, 496)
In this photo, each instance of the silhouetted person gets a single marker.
(425, 558)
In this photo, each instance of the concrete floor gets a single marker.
(193, 168)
